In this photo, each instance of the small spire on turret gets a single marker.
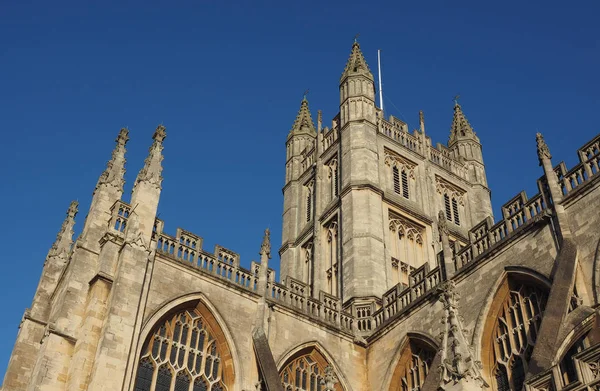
(151, 172)
(64, 239)
(303, 123)
(543, 151)
(460, 125)
(356, 62)
(115, 168)
(265, 247)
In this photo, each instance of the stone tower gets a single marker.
(394, 275)
(362, 197)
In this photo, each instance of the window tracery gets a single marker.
(407, 247)
(452, 199)
(402, 172)
(333, 178)
(307, 371)
(182, 354)
(413, 367)
(516, 328)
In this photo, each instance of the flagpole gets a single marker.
(379, 74)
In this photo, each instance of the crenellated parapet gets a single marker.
(224, 265)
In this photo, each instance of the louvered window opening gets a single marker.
(308, 207)
(181, 356)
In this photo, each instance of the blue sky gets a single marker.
(226, 79)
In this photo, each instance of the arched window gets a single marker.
(514, 322)
(407, 247)
(305, 371)
(413, 366)
(331, 265)
(187, 349)
(567, 365)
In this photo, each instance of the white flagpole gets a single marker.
(379, 71)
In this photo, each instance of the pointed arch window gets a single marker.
(413, 366)
(402, 174)
(187, 350)
(519, 309)
(407, 246)
(333, 178)
(452, 200)
(331, 251)
(305, 371)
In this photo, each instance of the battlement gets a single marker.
(416, 142)
(519, 213)
(224, 265)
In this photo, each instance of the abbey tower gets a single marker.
(394, 274)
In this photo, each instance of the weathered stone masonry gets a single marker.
(394, 274)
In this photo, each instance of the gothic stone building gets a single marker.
(394, 275)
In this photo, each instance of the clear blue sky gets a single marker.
(226, 79)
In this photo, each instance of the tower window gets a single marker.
(396, 175)
(455, 211)
(404, 185)
(308, 207)
(335, 181)
(447, 205)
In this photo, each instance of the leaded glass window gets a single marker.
(305, 372)
(516, 330)
(415, 364)
(182, 354)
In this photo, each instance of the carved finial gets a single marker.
(442, 223)
(319, 116)
(543, 151)
(456, 100)
(457, 362)
(356, 38)
(64, 239)
(330, 379)
(114, 173)
(151, 172)
(422, 121)
(265, 247)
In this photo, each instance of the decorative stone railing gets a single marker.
(308, 158)
(442, 158)
(585, 377)
(224, 264)
(518, 212)
(396, 300)
(330, 136)
(588, 167)
(398, 131)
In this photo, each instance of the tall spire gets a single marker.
(460, 125)
(64, 239)
(151, 172)
(115, 168)
(303, 123)
(356, 64)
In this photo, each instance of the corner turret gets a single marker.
(357, 89)
(465, 147)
